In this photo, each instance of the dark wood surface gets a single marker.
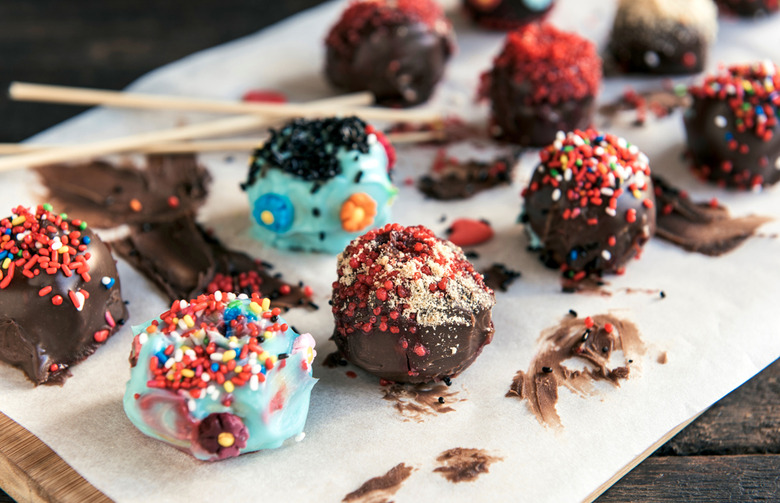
(731, 453)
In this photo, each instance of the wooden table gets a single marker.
(731, 453)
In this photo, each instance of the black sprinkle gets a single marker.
(294, 329)
(547, 370)
(605, 349)
(261, 339)
(322, 236)
(358, 176)
(315, 212)
(127, 302)
(447, 381)
(442, 218)
(278, 275)
(316, 187)
(307, 148)
(663, 294)
(586, 335)
(484, 221)
(471, 255)
(573, 312)
(300, 284)
(330, 302)
(301, 302)
(274, 319)
(282, 356)
(630, 361)
(229, 158)
(121, 321)
(266, 265)
(274, 295)
(441, 399)
(313, 306)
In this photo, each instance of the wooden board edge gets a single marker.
(637, 460)
(31, 472)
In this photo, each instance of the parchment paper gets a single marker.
(717, 322)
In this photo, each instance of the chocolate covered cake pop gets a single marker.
(409, 307)
(397, 49)
(219, 376)
(543, 81)
(60, 297)
(506, 14)
(749, 8)
(590, 205)
(732, 126)
(317, 184)
(663, 36)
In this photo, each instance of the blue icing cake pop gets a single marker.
(220, 376)
(315, 185)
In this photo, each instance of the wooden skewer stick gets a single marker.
(238, 145)
(24, 91)
(221, 127)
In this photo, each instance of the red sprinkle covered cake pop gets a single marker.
(732, 126)
(506, 14)
(60, 297)
(590, 206)
(397, 49)
(409, 306)
(543, 81)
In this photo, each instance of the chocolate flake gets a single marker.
(415, 401)
(464, 465)
(499, 277)
(451, 178)
(380, 489)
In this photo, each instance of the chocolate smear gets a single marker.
(591, 340)
(415, 401)
(451, 178)
(450, 129)
(658, 102)
(158, 203)
(499, 277)
(334, 360)
(380, 489)
(705, 228)
(464, 465)
(663, 358)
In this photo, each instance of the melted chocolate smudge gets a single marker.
(663, 358)
(539, 385)
(415, 401)
(499, 277)
(464, 465)
(451, 178)
(659, 102)
(705, 228)
(380, 489)
(334, 360)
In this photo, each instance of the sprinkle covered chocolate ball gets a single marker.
(749, 8)
(506, 14)
(317, 184)
(663, 36)
(60, 296)
(409, 307)
(397, 49)
(219, 376)
(732, 126)
(590, 205)
(543, 81)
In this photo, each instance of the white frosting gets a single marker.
(700, 14)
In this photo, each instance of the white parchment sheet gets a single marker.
(717, 322)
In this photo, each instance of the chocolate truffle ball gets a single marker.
(60, 296)
(749, 8)
(732, 126)
(397, 49)
(506, 14)
(543, 81)
(409, 307)
(663, 36)
(590, 205)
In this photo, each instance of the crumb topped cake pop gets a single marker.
(506, 14)
(317, 184)
(60, 297)
(409, 307)
(590, 205)
(663, 36)
(543, 81)
(397, 49)
(732, 126)
(219, 376)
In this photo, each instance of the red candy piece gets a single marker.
(468, 232)
(264, 96)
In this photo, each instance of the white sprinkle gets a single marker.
(609, 211)
(453, 350)
(105, 280)
(243, 296)
(192, 354)
(556, 194)
(182, 325)
(371, 139)
(169, 363)
(218, 296)
(633, 149)
(191, 405)
(81, 301)
(777, 163)
(598, 151)
(720, 121)
(216, 357)
(300, 436)
(567, 175)
(606, 254)
(183, 304)
(607, 191)
(652, 59)
(178, 355)
(205, 377)
(253, 383)
(56, 244)
(142, 338)
(560, 136)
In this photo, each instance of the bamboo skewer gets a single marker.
(183, 147)
(24, 91)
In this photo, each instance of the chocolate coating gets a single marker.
(397, 53)
(44, 339)
(587, 213)
(728, 141)
(749, 8)
(543, 81)
(664, 37)
(409, 307)
(506, 14)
